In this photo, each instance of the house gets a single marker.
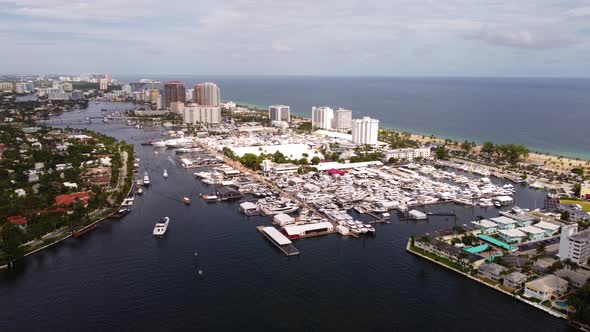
(533, 233)
(550, 229)
(576, 279)
(544, 288)
(17, 220)
(514, 280)
(486, 226)
(504, 222)
(511, 236)
(450, 252)
(69, 199)
(491, 271)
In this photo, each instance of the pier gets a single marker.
(279, 240)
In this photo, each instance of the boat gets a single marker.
(121, 213)
(209, 198)
(139, 191)
(139, 182)
(159, 144)
(161, 226)
(146, 179)
(497, 204)
(165, 174)
(370, 229)
(105, 119)
(186, 200)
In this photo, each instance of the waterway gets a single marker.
(120, 277)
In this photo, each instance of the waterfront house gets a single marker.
(486, 226)
(69, 199)
(511, 236)
(450, 252)
(491, 271)
(546, 287)
(504, 222)
(514, 280)
(522, 219)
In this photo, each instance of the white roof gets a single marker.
(512, 232)
(336, 165)
(248, 205)
(277, 236)
(484, 223)
(283, 217)
(547, 226)
(531, 230)
(298, 229)
(503, 198)
(503, 220)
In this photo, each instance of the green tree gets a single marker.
(315, 160)
(488, 148)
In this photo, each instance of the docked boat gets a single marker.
(139, 182)
(146, 179)
(209, 198)
(121, 213)
(159, 144)
(139, 191)
(186, 200)
(165, 174)
(161, 226)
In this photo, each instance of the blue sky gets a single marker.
(332, 37)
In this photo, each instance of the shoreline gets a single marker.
(535, 305)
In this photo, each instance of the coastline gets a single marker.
(536, 305)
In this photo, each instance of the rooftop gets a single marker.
(512, 232)
(503, 220)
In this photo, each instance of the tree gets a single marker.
(541, 250)
(466, 145)
(565, 216)
(580, 301)
(315, 160)
(488, 148)
(441, 152)
(392, 160)
(577, 189)
(568, 263)
(424, 239)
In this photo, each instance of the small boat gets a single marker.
(165, 174)
(209, 198)
(161, 226)
(370, 228)
(139, 182)
(146, 179)
(139, 191)
(121, 213)
(186, 200)
(497, 204)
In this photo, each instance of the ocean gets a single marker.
(120, 277)
(545, 114)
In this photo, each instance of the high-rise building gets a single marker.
(207, 94)
(574, 245)
(176, 107)
(202, 114)
(190, 94)
(322, 117)
(104, 84)
(342, 119)
(173, 91)
(365, 130)
(279, 113)
(6, 86)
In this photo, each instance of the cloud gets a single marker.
(280, 47)
(524, 38)
(579, 12)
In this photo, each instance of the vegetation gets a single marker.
(397, 140)
(580, 301)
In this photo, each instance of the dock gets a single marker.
(279, 240)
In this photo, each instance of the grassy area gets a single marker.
(585, 204)
(442, 260)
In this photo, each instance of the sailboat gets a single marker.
(165, 173)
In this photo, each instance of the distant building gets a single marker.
(190, 95)
(365, 131)
(491, 271)
(514, 280)
(6, 86)
(322, 117)
(177, 107)
(207, 94)
(279, 113)
(574, 245)
(406, 154)
(23, 87)
(342, 119)
(173, 91)
(104, 84)
(202, 114)
(68, 87)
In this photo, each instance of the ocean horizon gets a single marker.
(548, 115)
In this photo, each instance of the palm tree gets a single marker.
(541, 250)
(568, 263)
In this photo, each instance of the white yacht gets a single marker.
(159, 144)
(146, 179)
(161, 226)
(165, 173)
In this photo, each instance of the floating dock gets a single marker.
(279, 240)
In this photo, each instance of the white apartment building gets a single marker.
(365, 131)
(202, 114)
(24, 87)
(279, 113)
(407, 154)
(207, 94)
(6, 86)
(574, 245)
(177, 107)
(342, 119)
(322, 117)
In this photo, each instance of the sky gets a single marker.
(276, 37)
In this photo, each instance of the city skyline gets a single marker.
(348, 38)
